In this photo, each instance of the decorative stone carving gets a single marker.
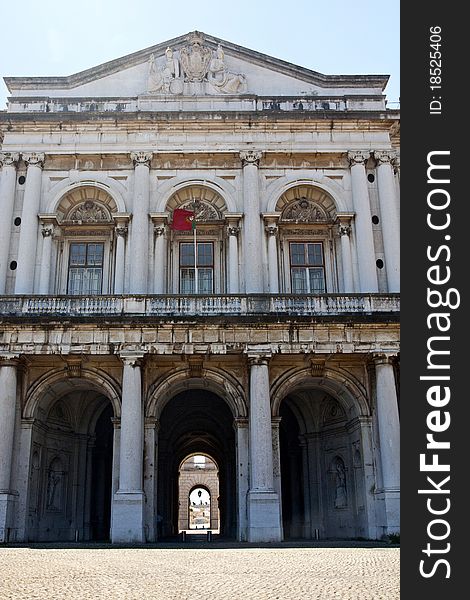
(303, 211)
(159, 230)
(54, 486)
(89, 212)
(202, 210)
(47, 231)
(9, 159)
(271, 230)
(357, 157)
(250, 157)
(34, 158)
(384, 156)
(221, 78)
(121, 231)
(233, 230)
(141, 158)
(167, 79)
(195, 58)
(345, 230)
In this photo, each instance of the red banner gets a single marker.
(183, 219)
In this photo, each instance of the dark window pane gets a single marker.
(187, 281)
(299, 281)
(204, 281)
(204, 254)
(95, 254)
(187, 254)
(297, 252)
(317, 280)
(315, 254)
(77, 254)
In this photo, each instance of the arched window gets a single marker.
(85, 249)
(198, 262)
(307, 218)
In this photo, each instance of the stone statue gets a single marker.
(221, 78)
(341, 499)
(53, 482)
(167, 79)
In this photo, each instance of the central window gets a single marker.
(204, 267)
(85, 274)
(307, 268)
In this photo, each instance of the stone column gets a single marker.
(364, 235)
(151, 428)
(389, 218)
(263, 502)
(128, 502)
(160, 221)
(233, 231)
(8, 162)
(140, 223)
(121, 231)
(29, 224)
(346, 255)
(252, 228)
(47, 231)
(243, 470)
(8, 384)
(272, 231)
(389, 436)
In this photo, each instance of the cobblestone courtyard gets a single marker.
(199, 573)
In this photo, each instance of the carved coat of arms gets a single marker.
(195, 59)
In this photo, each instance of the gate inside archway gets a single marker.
(196, 423)
(198, 487)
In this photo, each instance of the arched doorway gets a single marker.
(325, 476)
(196, 423)
(70, 481)
(198, 486)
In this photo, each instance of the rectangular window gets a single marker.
(307, 268)
(205, 268)
(85, 274)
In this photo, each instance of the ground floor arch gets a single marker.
(326, 467)
(196, 423)
(68, 495)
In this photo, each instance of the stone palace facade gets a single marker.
(268, 341)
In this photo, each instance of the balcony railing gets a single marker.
(182, 306)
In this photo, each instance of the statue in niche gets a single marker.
(221, 78)
(53, 482)
(167, 79)
(341, 498)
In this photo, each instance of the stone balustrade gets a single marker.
(166, 305)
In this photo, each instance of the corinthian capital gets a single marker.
(35, 159)
(384, 156)
(9, 159)
(141, 158)
(250, 157)
(357, 157)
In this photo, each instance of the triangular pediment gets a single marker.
(196, 64)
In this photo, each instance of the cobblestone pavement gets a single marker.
(199, 573)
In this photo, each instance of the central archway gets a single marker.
(196, 422)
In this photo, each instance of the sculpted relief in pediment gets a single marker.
(194, 70)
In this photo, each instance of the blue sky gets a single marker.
(334, 37)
